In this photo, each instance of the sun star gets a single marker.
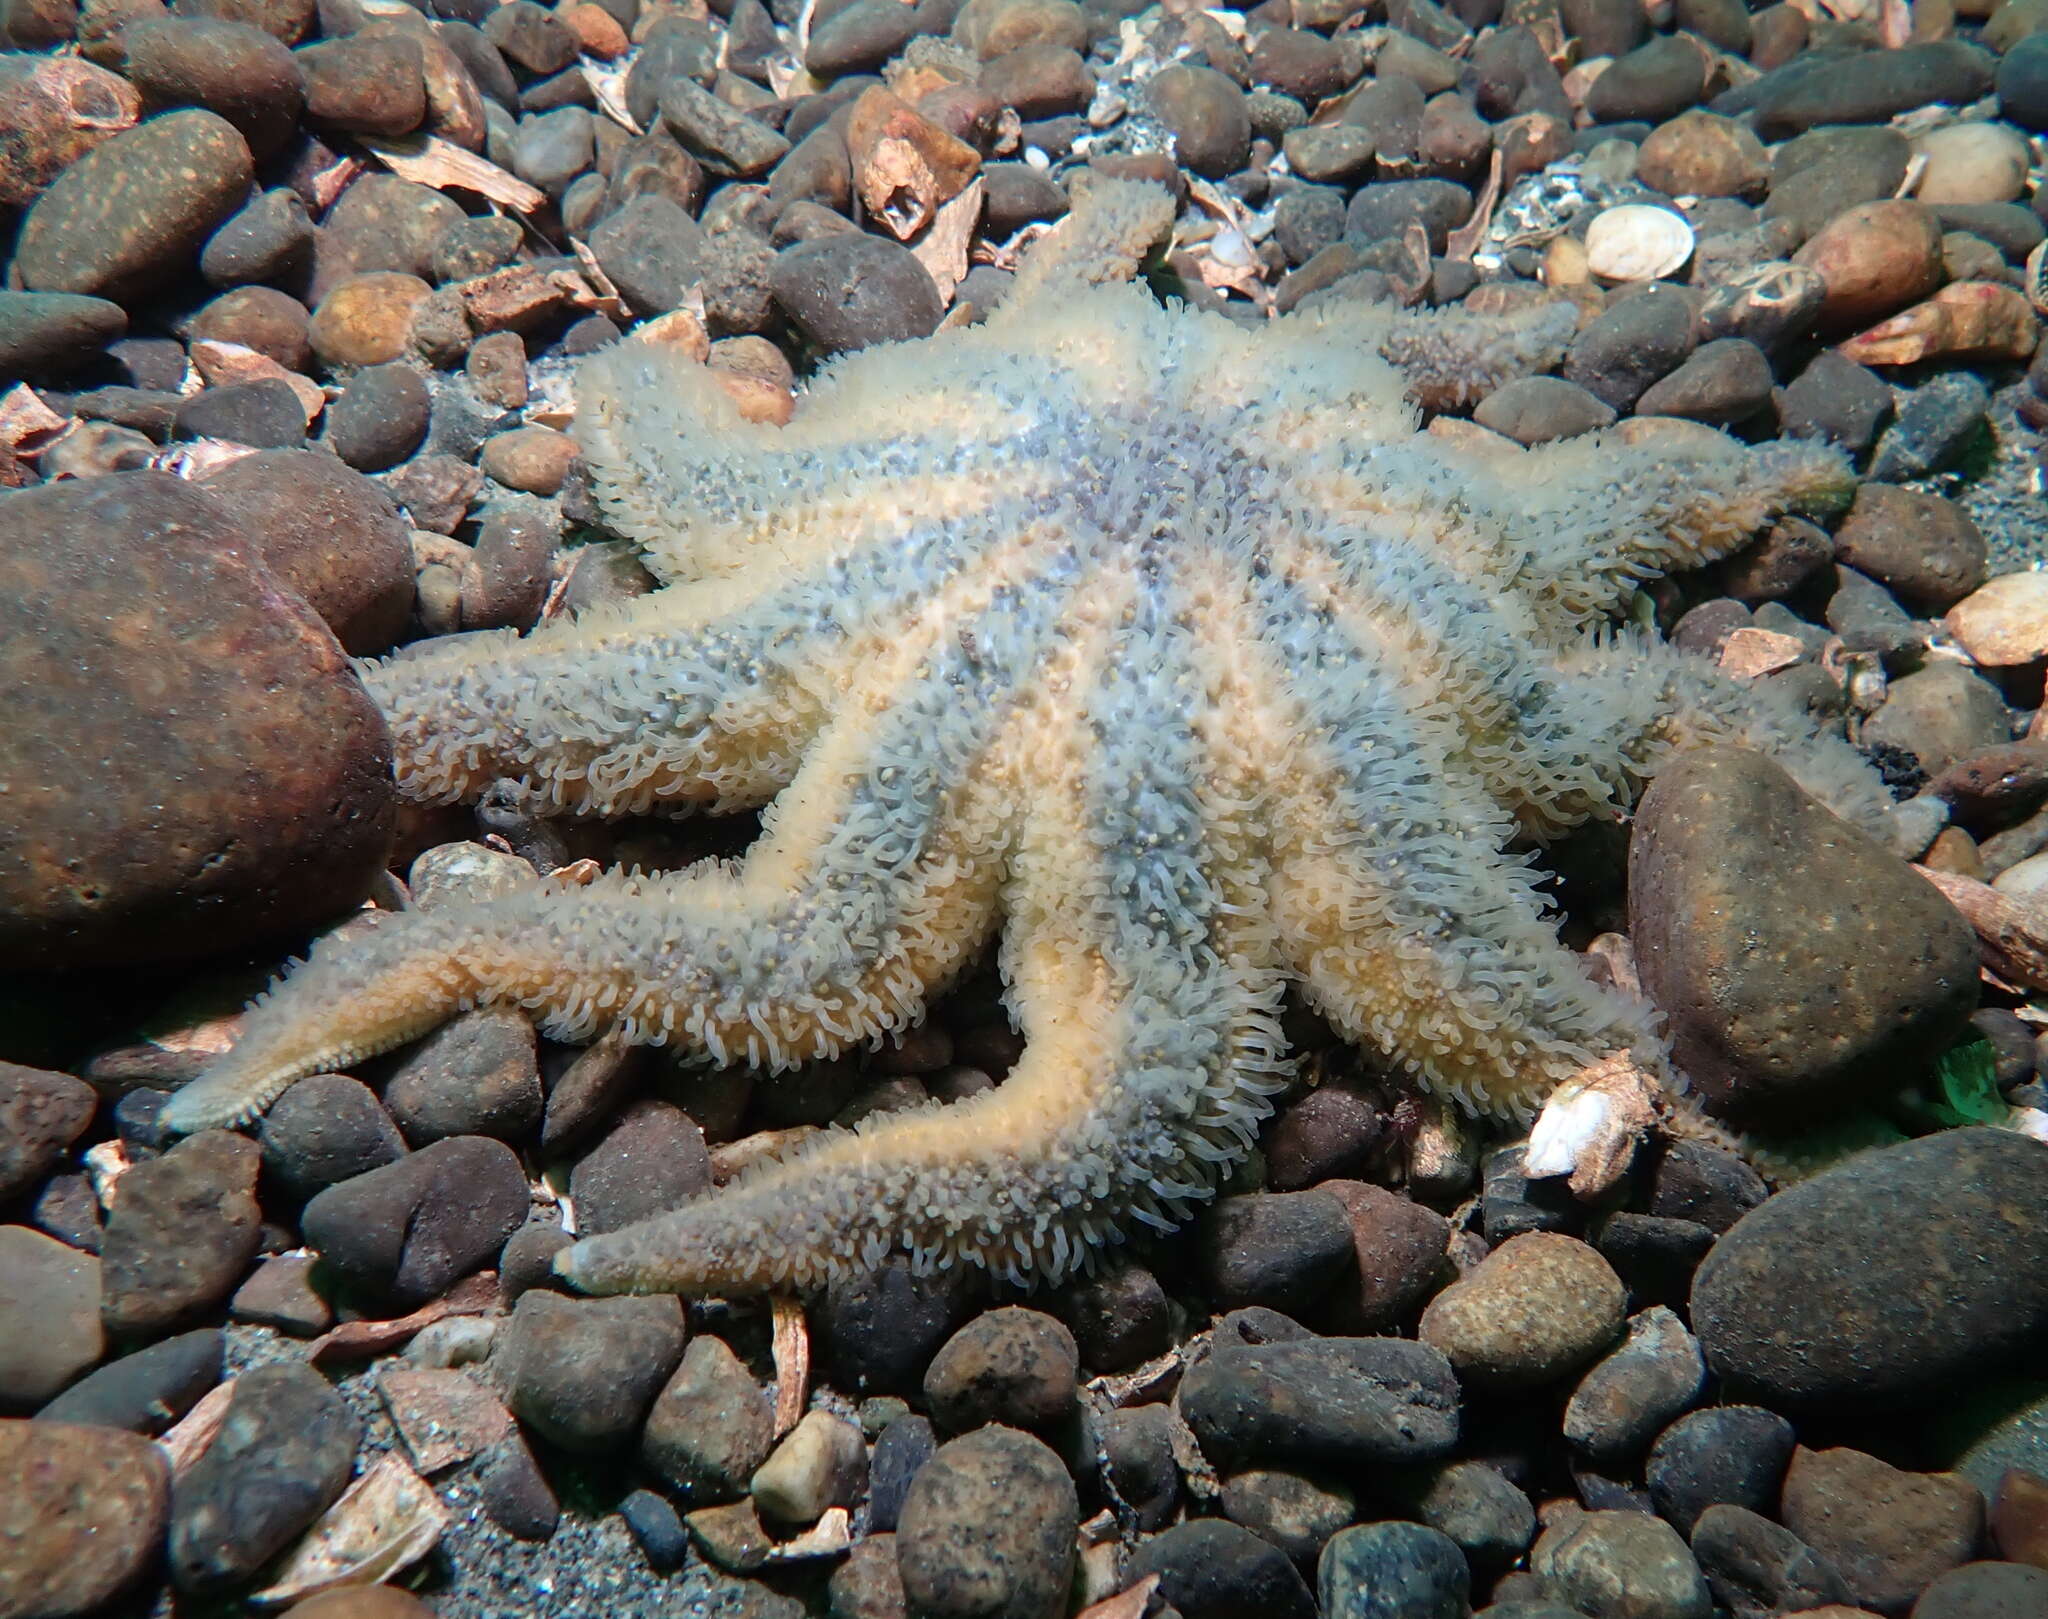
(1168, 647)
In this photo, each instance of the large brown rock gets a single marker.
(1798, 960)
(190, 762)
(134, 211)
(1904, 1273)
(81, 1512)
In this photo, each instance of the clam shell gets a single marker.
(1637, 242)
(2035, 279)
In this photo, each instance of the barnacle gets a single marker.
(1169, 647)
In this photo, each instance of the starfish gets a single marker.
(1169, 647)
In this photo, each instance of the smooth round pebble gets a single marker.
(1537, 1308)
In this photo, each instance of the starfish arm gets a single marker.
(1450, 358)
(1412, 928)
(1147, 992)
(1662, 701)
(1588, 519)
(1111, 227)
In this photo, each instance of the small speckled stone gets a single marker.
(181, 1234)
(1888, 1532)
(1621, 1565)
(987, 1531)
(1213, 1570)
(1393, 1571)
(1732, 1454)
(1012, 1366)
(50, 1330)
(1537, 1308)
(1634, 1390)
(81, 1516)
(583, 1373)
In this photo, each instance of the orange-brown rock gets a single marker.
(1875, 258)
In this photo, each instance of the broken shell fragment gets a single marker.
(1637, 242)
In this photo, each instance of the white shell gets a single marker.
(1637, 242)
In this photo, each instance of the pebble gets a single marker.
(1902, 1272)
(657, 1529)
(1945, 713)
(330, 534)
(847, 292)
(82, 1515)
(1701, 154)
(367, 319)
(51, 1329)
(1512, 1204)
(284, 804)
(1330, 1132)
(1205, 113)
(411, 1229)
(180, 1235)
(53, 331)
(325, 1129)
(477, 1075)
(514, 1493)
(1722, 383)
(1971, 163)
(1389, 207)
(535, 460)
(861, 37)
(282, 1456)
(654, 253)
(869, 1584)
(1215, 1570)
(1339, 1402)
(1869, 88)
(1707, 1185)
(512, 565)
(1626, 1397)
(1398, 1249)
(1934, 427)
(1889, 1533)
(988, 1529)
(264, 414)
(230, 68)
(904, 1446)
(1766, 1023)
(1837, 400)
(147, 1391)
(583, 1373)
(365, 84)
(269, 238)
(281, 1294)
(1292, 1511)
(1287, 1251)
(1925, 549)
(652, 1160)
(134, 209)
(1637, 340)
(41, 1114)
(2004, 622)
(1536, 1309)
(1732, 1455)
(1620, 1565)
(822, 1462)
(380, 418)
(879, 1330)
(1119, 1316)
(2023, 84)
(1487, 1517)
(1136, 1445)
(1985, 1591)
(53, 110)
(1757, 1568)
(1540, 410)
(1393, 1571)
(1013, 1366)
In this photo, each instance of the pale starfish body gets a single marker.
(1171, 648)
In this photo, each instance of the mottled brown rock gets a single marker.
(1924, 547)
(134, 209)
(50, 1327)
(1901, 1273)
(329, 533)
(988, 1529)
(41, 1113)
(1888, 1532)
(1875, 258)
(81, 1512)
(1538, 1307)
(53, 110)
(367, 319)
(1798, 960)
(181, 1234)
(193, 765)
